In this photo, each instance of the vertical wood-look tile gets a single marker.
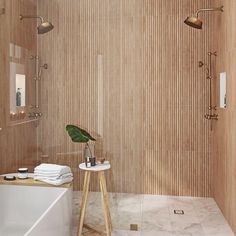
(149, 117)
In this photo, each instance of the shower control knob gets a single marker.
(207, 117)
(35, 115)
(212, 108)
(200, 64)
(39, 114)
(211, 117)
(214, 117)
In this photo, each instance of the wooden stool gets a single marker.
(100, 168)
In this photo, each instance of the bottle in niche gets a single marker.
(225, 101)
(18, 97)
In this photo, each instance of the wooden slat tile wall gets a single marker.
(18, 144)
(127, 70)
(224, 143)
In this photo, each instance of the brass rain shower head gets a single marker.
(44, 27)
(195, 22)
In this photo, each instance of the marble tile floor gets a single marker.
(155, 216)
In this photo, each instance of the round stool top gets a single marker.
(98, 167)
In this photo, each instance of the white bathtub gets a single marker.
(35, 211)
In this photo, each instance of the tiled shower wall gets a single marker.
(18, 142)
(127, 71)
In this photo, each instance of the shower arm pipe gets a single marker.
(209, 9)
(30, 17)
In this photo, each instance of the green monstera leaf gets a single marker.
(78, 135)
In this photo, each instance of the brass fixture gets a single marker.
(212, 54)
(200, 64)
(195, 22)
(34, 57)
(35, 115)
(212, 108)
(211, 117)
(33, 107)
(44, 27)
(17, 115)
(209, 76)
(37, 78)
(22, 115)
(45, 67)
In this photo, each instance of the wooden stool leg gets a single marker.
(106, 197)
(84, 202)
(105, 203)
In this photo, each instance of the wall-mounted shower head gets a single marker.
(44, 27)
(195, 22)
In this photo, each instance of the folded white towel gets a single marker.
(53, 174)
(56, 182)
(52, 169)
(53, 177)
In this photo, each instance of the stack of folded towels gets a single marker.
(53, 174)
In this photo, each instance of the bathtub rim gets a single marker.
(30, 182)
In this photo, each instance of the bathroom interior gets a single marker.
(152, 81)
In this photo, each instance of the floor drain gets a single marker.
(179, 212)
(133, 227)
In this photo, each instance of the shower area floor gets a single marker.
(155, 215)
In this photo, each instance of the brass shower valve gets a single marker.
(35, 115)
(212, 54)
(211, 117)
(212, 108)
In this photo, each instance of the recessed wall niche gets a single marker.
(223, 90)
